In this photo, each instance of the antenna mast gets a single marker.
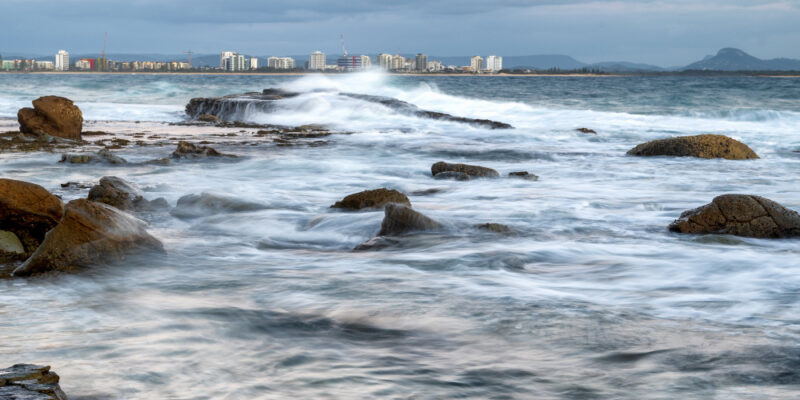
(341, 36)
(103, 56)
(189, 52)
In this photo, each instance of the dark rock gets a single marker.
(52, 115)
(702, 146)
(372, 199)
(89, 233)
(205, 204)
(123, 195)
(399, 219)
(585, 130)
(456, 176)
(523, 175)
(28, 211)
(473, 171)
(208, 118)
(30, 382)
(190, 150)
(741, 215)
(102, 156)
(76, 185)
(428, 192)
(496, 228)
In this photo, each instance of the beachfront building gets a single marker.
(421, 62)
(476, 64)
(62, 61)
(253, 62)
(44, 66)
(385, 61)
(316, 61)
(435, 66)
(398, 62)
(224, 56)
(366, 62)
(232, 62)
(494, 63)
(280, 62)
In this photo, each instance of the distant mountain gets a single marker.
(730, 59)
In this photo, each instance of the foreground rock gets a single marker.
(372, 199)
(205, 204)
(190, 150)
(30, 382)
(52, 115)
(102, 156)
(702, 146)
(399, 219)
(741, 215)
(473, 171)
(27, 211)
(123, 195)
(89, 233)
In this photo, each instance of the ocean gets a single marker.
(592, 298)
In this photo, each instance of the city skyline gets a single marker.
(652, 32)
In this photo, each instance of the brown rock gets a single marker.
(702, 146)
(372, 199)
(400, 219)
(208, 118)
(89, 233)
(122, 195)
(586, 130)
(52, 115)
(28, 211)
(496, 228)
(741, 215)
(523, 175)
(190, 150)
(474, 171)
(30, 382)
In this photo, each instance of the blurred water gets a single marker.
(594, 298)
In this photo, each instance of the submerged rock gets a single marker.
(28, 211)
(523, 175)
(190, 150)
(741, 215)
(372, 199)
(496, 228)
(208, 118)
(30, 382)
(399, 219)
(123, 195)
(456, 176)
(102, 156)
(205, 204)
(89, 233)
(585, 130)
(474, 171)
(52, 115)
(702, 146)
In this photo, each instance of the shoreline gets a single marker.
(414, 74)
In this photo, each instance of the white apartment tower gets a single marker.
(280, 62)
(385, 61)
(62, 61)
(366, 62)
(223, 56)
(398, 62)
(316, 60)
(476, 64)
(494, 63)
(253, 62)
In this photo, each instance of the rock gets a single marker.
(496, 228)
(208, 118)
(28, 211)
(473, 171)
(205, 204)
(10, 243)
(89, 233)
(52, 115)
(372, 199)
(702, 146)
(456, 176)
(190, 150)
(400, 219)
(102, 156)
(123, 195)
(586, 130)
(523, 175)
(428, 192)
(30, 382)
(741, 215)
(76, 185)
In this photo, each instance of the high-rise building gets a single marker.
(231, 61)
(385, 61)
(224, 55)
(476, 64)
(398, 62)
(366, 62)
(316, 60)
(253, 62)
(62, 61)
(280, 62)
(349, 63)
(421, 62)
(494, 63)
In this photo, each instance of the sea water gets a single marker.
(593, 298)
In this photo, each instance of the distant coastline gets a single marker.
(543, 74)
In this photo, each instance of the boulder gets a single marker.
(52, 115)
(89, 233)
(741, 215)
(473, 171)
(205, 204)
(28, 211)
(523, 175)
(456, 176)
(702, 146)
(372, 199)
(400, 219)
(123, 195)
(30, 382)
(102, 156)
(190, 150)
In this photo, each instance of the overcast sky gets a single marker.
(663, 32)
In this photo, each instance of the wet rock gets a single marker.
(52, 115)
(205, 204)
(428, 192)
(190, 150)
(30, 382)
(702, 146)
(399, 219)
(28, 211)
(89, 233)
(208, 118)
(456, 176)
(496, 228)
(10, 244)
(372, 199)
(741, 215)
(76, 185)
(474, 171)
(123, 195)
(586, 130)
(523, 175)
(102, 156)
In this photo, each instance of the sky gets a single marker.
(660, 32)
